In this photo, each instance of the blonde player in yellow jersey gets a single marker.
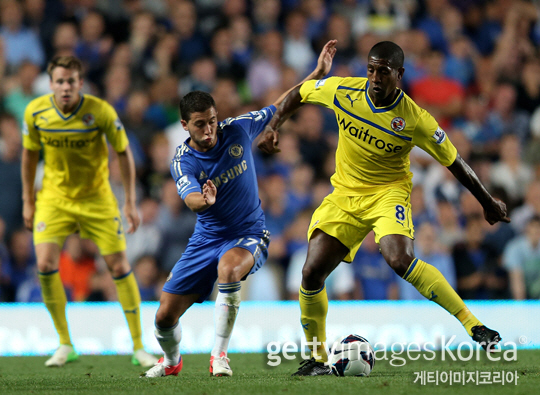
(378, 126)
(73, 129)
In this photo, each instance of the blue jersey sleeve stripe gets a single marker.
(388, 131)
(66, 130)
(350, 89)
(40, 111)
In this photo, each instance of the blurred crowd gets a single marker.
(473, 64)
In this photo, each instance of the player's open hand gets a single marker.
(132, 217)
(324, 63)
(29, 209)
(496, 212)
(269, 141)
(209, 192)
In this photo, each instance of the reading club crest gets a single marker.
(40, 227)
(236, 150)
(88, 119)
(397, 124)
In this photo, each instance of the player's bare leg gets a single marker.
(169, 333)
(398, 251)
(233, 266)
(130, 299)
(324, 255)
(54, 297)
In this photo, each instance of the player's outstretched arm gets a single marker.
(29, 164)
(127, 170)
(494, 210)
(290, 101)
(198, 202)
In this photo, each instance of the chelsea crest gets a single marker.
(236, 150)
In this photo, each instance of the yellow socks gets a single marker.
(54, 297)
(467, 319)
(431, 283)
(314, 306)
(130, 299)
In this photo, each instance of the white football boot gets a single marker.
(161, 370)
(61, 356)
(219, 366)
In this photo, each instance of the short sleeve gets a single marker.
(31, 140)
(113, 128)
(253, 123)
(183, 174)
(320, 92)
(432, 139)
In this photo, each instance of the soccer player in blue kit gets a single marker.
(215, 175)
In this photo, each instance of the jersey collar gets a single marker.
(61, 114)
(382, 109)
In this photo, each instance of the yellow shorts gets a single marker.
(350, 218)
(97, 219)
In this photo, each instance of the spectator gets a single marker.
(522, 259)
(439, 95)
(429, 249)
(531, 207)
(375, 280)
(23, 93)
(511, 174)
(146, 271)
(297, 51)
(77, 265)
(176, 222)
(20, 43)
(10, 170)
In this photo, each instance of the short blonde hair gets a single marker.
(68, 62)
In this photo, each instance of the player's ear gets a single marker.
(184, 124)
(400, 72)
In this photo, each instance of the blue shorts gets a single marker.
(196, 271)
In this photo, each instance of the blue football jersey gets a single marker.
(230, 166)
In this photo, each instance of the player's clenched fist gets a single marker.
(269, 141)
(209, 192)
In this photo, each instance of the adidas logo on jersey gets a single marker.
(202, 176)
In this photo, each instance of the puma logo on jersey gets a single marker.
(350, 99)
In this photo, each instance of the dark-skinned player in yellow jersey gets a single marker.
(378, 126)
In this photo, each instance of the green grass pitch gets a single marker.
(115, 375)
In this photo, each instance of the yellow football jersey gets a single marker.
(375, 142)
(74, 145)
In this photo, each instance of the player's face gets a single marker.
(66, 84)
(202, 127)
(383, 79)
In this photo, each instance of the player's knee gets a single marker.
(166, 318)
(46, 264)
(400, 263)
(230, 273)
(312, 277)
(117, 264)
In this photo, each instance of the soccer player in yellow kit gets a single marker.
(378, 126)
(73, 129)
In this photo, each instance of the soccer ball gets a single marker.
(351, 356)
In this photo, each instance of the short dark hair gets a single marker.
(196, 101)
(389, 51)
(68, 62)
